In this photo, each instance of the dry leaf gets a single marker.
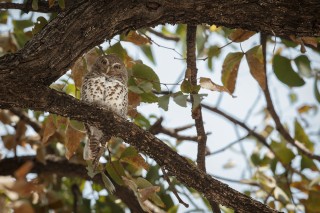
(206, 83)
(240, 35)
(9, 141)
(311, 41)
(22, 206)
(146, 193)
(23, 170)
(73, 138)
(91, 57)
(230, 69)
(78, 71)
(137, 161)
(51, 3)
(256, 64)
(136, 38)
(49, 129)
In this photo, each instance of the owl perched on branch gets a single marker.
(105, 85)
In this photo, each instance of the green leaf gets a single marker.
(302, 137)
(146, 49)
(163, 102)
(116, 171)
(256, 64)
(3, 17)
(144, 72)
(186, 87)
(316, 89)
(307, 163)
(135, 89)
(35, 5)
(284, 154)
(117, 49)
(107, 182)
(153, 173)
(148, 97)
(62, 4)
(230, 69)
(146, 86)
(284, 72)
(41, 22)
(173, 209)
(21, 24)
(180, 99)
(129, 152)
(303, 64)
(142, 183)
(197, 98)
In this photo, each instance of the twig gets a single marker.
(171, 187)
(196, 111)
(169, 48)
(157, 128)
(75, 192)
(229, 145)
(23, 116)
(161, 35)
(274, 115)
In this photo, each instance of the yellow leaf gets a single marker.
(72, 141)
(206, 83)
(240, 35)
(49, 129)
(214, 28)
(137, 38)
(306, 108)
(23, 170)
(255, 61)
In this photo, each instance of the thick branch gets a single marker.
(43, 6)
(145, 142)
(88, 23)
(63, 168)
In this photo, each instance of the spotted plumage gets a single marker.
(105, 85)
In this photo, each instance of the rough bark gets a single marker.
(25, 75)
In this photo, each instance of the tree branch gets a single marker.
(43, 6)
(23, 116)
(274, 114)
(176, 165)
(63, 168)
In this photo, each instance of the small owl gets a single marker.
(105, 85)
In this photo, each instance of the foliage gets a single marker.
(282, 176)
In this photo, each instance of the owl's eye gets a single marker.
(105, 61)
(116, 66)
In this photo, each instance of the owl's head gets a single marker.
(111, 66)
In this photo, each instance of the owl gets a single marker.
(105, 85)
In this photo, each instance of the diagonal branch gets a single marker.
(145, 142)
(63, 168)
(274, 115)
